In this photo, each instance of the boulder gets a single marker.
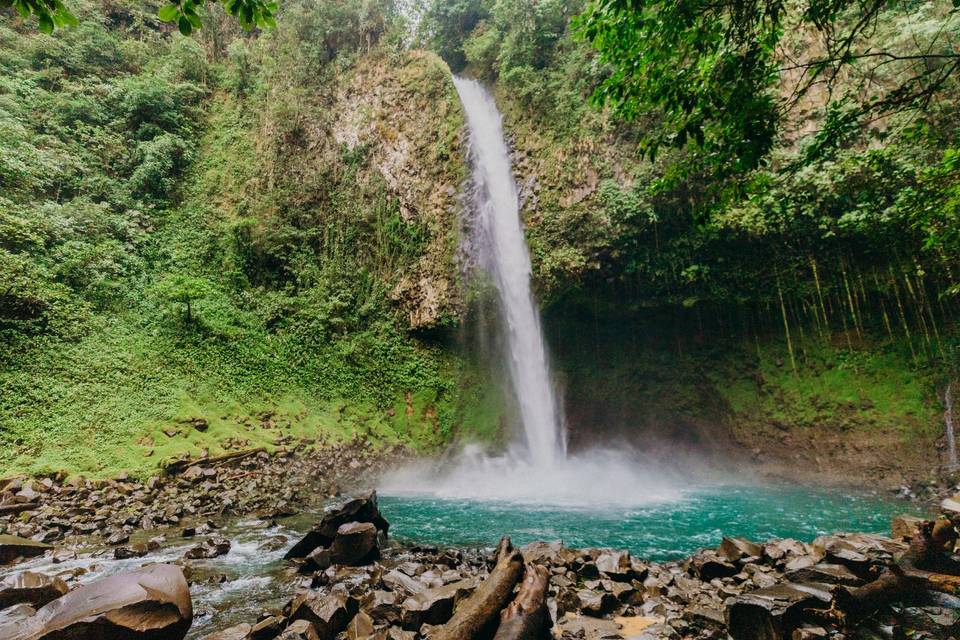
(859, 552)
(360, 628)
(329, 614)
(150, 603)
(825, 573)
(266, 629)
(238, 632)
(542, 552)
(317, 560)
(772, 613)
(615, 564)
(736, 549)
(300, 630)
(13, 547)
(434, 606)
(361, 509)
(30, 588)
(785, 550)
(209, 548)
(399, 581)
(356, 544)
(125, 553)
(707, 565)
(595, 603)
(382, 607)
(905, 527)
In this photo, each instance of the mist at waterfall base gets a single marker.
(658, 504)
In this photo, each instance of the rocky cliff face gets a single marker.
(406, 115)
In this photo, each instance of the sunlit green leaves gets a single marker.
(50, 14)
(53, 14)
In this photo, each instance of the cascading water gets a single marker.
(535, 469)
(505, 254)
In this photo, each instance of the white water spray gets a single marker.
(505, 254)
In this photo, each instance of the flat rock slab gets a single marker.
(772, 613)
(13, 547)
(239, 632)
(589, 628)
(150, 603)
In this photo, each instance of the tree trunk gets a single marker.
(919, 570)
(477, 615)
(527, 618)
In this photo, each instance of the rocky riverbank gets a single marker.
(191, 492)
(344, 579)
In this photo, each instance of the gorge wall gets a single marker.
(263, 233)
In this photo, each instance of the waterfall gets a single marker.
(535, 469)
(948, 418)
(504, 253)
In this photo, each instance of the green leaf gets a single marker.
(184, 25)
(46, 23)
(169, 13)
(192, 16)
(68, 18)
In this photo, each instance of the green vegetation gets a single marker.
(186, 14)
(786, 179)
(237, 224)
(187, 229)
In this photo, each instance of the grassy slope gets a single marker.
(100, 404)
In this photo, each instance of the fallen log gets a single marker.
(772, 613)
(924, 567)
(177, 466)
(17, 508)
(527, 618)
(477, 616)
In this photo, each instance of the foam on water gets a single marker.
(592, 479)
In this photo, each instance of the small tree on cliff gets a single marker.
(183, 289)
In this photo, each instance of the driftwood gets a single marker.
(925, 566)
(527, 618)
(771, 613)
(478, 615)
(14, 508)
(178, 466)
